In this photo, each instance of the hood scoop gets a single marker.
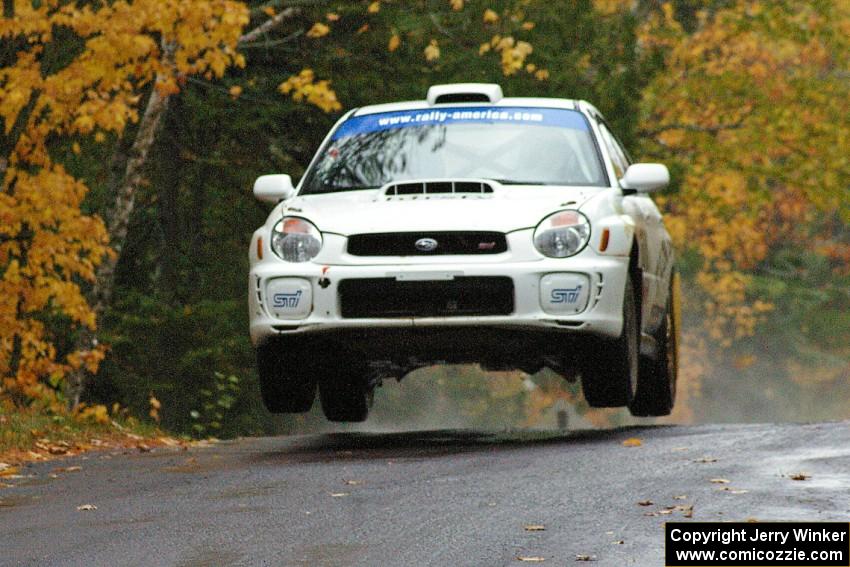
(439, 188)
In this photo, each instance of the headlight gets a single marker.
(296, 240)
(562, 234)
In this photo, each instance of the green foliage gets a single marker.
(216, 405)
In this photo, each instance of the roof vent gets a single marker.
(464, 92)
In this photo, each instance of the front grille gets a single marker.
(405, 243)
(388, 297)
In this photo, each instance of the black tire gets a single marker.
(656, 391)
(345, 394)
(287, 379)
(609, 370)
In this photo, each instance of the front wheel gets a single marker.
(346, 394)
(609, 370)
(656, 391)
(287, 379)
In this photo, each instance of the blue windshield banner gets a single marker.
(562, 118)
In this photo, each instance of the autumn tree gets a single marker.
(72, 75)
(750, 112)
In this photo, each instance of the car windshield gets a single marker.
(513, 145)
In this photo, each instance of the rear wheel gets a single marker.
(287, 379)
(656, 392)
(346, 394)
(610, 369)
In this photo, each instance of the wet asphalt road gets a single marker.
(420, 498)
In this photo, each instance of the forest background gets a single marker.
(131, 133)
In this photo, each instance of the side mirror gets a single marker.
(645, 177)
(273, 188)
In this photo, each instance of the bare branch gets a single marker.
(691, 128)
(268, 25)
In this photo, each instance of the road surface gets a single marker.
(421, 498)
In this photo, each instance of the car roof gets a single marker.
(534, 102)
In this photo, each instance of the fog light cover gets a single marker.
(289, 298)
(564, 294)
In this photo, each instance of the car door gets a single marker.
(649, 231)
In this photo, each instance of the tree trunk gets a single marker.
(118, 217)
(117, 222)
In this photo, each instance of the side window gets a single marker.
(618, 155)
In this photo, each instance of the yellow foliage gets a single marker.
(155, 406)
(513, 54)
(394, 43)
(457, 5)
(611, 7)
(735, 111)
(48, 245)
(490, 17)
(319, 29)
(303, 87)
(95, 414)
(432, 51)
(374, 7)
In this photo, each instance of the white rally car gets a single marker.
(465, 228)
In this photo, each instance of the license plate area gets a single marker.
(457, 297)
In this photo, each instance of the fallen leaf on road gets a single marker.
(143, 448)
(535, 528)
(339, 494)
(352, 482)
(86, 507)
(67, 469)
(665, 512)
(681, 497)
(677, 449)
(650, 514)
(731, 490)
(531, 559)
(583, 557)
(618, 542)
(706, 460)
(719, 481)
(8, 470)
(632, 442)
(800, 476)
(646, 503)
(687, 511)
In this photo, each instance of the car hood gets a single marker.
(508, 208)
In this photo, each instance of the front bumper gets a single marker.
(601, 316)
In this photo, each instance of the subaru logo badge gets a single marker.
(426, 244)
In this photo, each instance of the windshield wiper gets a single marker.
(522, 182)
(332, 189)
